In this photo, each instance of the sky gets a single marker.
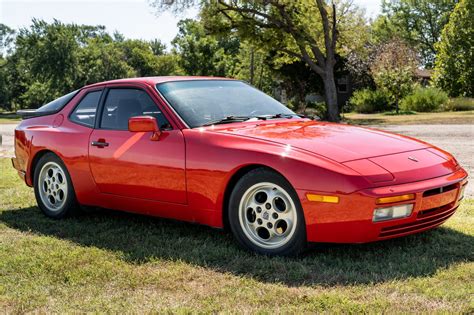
(133, 18)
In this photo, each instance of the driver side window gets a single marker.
(121, 104)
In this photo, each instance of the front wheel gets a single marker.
(53, 187)
(265, 214)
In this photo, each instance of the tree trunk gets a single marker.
(252, 66)
(330, 94)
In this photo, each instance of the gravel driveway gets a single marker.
(456, 139)
(6, 140)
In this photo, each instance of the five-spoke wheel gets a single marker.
(53, 191)
(265, 214)
(53, 188)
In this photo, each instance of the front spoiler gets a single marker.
(350, 220)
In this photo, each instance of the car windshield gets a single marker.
(200, 102)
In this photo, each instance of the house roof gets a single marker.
(423, 73)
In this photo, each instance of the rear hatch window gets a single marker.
(57, 104)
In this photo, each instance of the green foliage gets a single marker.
(459, 104)
(6, 39)
(147, 59)
(4, 91)
(157, 47)
(201, 54)
(317, 110)
(454, 70)
(393, 69)
(102, 60)
(418, 22)
(313, 32)
(298, 81)
(401, 112)
(49, 60)
(368, 101)
(424, 100)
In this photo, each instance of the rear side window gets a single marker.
(121, 104)
(85, 111)
(57, 104)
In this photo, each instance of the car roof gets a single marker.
(156, 80)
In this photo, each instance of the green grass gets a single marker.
(116, 262)
(401, 112)
(460, 104)
(410, 118)
(9, 118)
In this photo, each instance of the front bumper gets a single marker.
(350, 220)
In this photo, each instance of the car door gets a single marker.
(131, 164)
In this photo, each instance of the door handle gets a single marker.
(101, 143)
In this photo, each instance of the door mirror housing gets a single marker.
(145, 124)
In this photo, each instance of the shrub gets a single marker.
(460, 104)
(368, 101)
(317, 109)
(424, 100)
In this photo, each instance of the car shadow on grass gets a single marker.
(141, 239)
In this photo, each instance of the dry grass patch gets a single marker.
(466, 117)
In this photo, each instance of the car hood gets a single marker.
(339, 142)
(380, 157)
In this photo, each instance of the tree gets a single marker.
(6, 39)
(158, 47)
(393, 69)
(254, 67)
(303, 30)
(454, 70)
(7, 36)
(204, 54)
(52, 59)
(298, 80)
(46, 61)
(102, 59)
(418, 22)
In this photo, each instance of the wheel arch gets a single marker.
(236, 176)
(34, 162)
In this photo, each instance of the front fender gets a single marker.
(213, 158)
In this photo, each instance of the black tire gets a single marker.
(69, 205)
(294, 244)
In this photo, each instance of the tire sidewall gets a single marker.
(297, 242)
(70, 205)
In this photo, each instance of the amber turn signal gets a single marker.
(322, 198)
(395, 198)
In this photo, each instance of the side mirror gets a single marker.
(144, 124)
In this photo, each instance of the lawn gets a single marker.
(464, 117)
(9, 118)
(116, 262)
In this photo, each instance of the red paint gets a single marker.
(184, 173)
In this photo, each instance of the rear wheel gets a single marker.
(53, 187)
(265, 214)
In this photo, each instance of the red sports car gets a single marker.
(221, 153)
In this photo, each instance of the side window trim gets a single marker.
(103, 100)
(101, 89)
(100, 108)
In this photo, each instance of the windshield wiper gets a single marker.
(226, 120)
(280, 115)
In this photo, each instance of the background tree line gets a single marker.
(287, 48)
